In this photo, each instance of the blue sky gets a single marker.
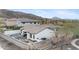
(49, 13)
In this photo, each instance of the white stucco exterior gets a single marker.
(46, 33)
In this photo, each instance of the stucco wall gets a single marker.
(11, 32)
(47, 33)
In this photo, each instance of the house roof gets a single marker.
(12, 21)
(36, 28)
(21, 19)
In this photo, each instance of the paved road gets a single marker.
(74, 43)
(5, 45)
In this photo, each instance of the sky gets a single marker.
(50, 13)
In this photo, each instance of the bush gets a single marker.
(76, 36)
(13, 27)
(1, 30)
(69, 25)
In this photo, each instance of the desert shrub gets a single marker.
(62, 36)
(76, 36)
(13, 27)
(69, 25)
(1, 30)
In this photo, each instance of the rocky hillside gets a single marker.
(13, 14)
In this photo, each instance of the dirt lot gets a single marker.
(5, 45)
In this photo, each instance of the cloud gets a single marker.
(49, 13)
(66, 14)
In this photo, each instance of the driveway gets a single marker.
(74, 43)
(5, 45)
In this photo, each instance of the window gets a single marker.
(33, 36)
(30, 22)
(30, 35)
(23, 22)
(38, 22)
(25, 35)
(43, 38)
(25, 32)
(34, 22)
(37, 38)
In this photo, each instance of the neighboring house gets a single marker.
(37, 32)
(26, 22)
(2, 22)
(20, 21)
(10, 23)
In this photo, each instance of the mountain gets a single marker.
(15, 14)
(56, 18)
(4, 13)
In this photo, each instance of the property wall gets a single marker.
(46, 44)
(43, 45)
(47, 33)
(11, 32)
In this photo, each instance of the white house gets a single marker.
(37, 32)
(26, 22)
